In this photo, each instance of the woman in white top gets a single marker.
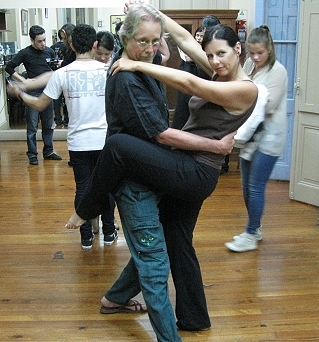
(258, 158)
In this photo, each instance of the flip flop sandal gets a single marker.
(136, 308)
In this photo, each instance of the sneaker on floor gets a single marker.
(96, 225)
(33, 161)
(87, 244)
(258, 234)
(109, 239)
(244, 242)
(53, 156)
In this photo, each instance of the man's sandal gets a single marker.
(133, 307)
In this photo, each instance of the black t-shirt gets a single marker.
(136, 104)
(69, 57)
(59, 49)
(36, 62)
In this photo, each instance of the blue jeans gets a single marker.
(83, 163)
(254, 176)
(46, 117)
(148, 268)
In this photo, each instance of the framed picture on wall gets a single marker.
(115, 20)
(24, 22)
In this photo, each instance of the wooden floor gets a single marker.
(51, 289)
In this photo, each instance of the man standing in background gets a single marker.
(36, 58)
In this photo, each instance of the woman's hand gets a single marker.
(123, 64)
(74, 222)
(127, 6)
(226, 144)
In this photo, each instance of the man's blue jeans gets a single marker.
(148, 268)
(254, 176)
(46, 117)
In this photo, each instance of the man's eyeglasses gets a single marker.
(144, 43)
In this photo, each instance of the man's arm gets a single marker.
(18, 77)
(38, 82)
(189, 141)
(32, 83)
(37, 103)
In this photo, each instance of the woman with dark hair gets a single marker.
(105, 47)
(257, 159)
(209, 21)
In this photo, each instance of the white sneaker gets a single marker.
(258, 234)
(244, 242)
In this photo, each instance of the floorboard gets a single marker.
(50, 288)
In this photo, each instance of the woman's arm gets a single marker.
(234, 96)
(186, 42)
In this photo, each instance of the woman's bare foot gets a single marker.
(74, 222)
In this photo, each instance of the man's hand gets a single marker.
(227, 143)
(15, 89)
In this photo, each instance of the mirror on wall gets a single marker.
(15, 36)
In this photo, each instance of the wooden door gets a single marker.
(304, 185)
(281, 16)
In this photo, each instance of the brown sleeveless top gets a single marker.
(212, 121)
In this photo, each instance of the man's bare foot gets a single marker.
(109, 307)
(74, 222)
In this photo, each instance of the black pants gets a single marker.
(179, 218)
(162, 170)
